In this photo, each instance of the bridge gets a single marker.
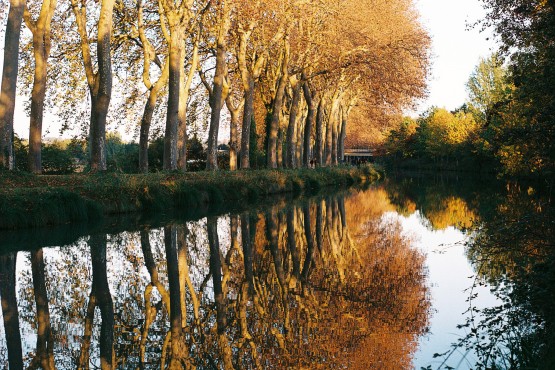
(360, 155)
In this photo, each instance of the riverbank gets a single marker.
(31, 201)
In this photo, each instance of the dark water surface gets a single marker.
(417, 272)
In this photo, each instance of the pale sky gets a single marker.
(455, 49)
(455, 52)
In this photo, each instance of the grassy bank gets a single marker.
(29, 201)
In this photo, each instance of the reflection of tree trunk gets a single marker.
(309, 244)
(183, 266)
(87, 335)
(291, 242)
(101, 291)
(151, 267)
(247, 251)
(216, 272)
(45, 346)
(170, 242)
(9, 310)
(319, 234)
(272, 237)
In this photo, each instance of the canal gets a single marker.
(423, 272)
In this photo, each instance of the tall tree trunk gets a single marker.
(45, 344)
(248, 113)
(299, 124)
(334, 138)
(343, 133)
(291, 144)
(318, 146)
(174, 86)
(280, 153)
(233, 124)
(218, 94)
(183, 100)
(272, 134)
(328, 144)
(146, 121)
(41, 51)
(9, 309)
(309, 122)
(100, 102)
(9, 83)
(149, 54)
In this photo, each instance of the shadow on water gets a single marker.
(320, 283)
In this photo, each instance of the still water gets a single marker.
(413, 273)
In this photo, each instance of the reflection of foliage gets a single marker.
(444, 200)
(514, 252)
(315, 286)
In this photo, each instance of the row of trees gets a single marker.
(290, 72)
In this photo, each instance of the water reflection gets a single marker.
(513, 252)
(510, 240)
(323, 284)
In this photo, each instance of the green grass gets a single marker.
(30, 201)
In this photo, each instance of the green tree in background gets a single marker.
(488, 88)
(527, 31)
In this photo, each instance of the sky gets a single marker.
(455, 52)
(456, 49)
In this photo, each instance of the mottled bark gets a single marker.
(299, 124)
(100, 84)
(146, 120)
(248, 113)
(291, 144)
(41, 51)
(334, 137)
(9, 83)
(277, 103)
(218, 93)
(182, 114)
(328, 139)
(9, 309)
(233, 124)
(309, 123)
(103, 88)
(174, 85)
(318, 145)
(342, 134)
